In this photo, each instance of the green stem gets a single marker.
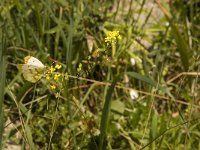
(113, 50)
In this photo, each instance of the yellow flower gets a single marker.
(47, 77)
(53, 87)
(58, 66)
(56, 76)
(112, 36)
(51, 70)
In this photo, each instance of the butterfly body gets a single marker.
(32, 69)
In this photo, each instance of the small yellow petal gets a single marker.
(51, 70)
(58, 66)
(53, 87)
(47, 77)
(56, 76)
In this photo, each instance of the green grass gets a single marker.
(92, 111)
(3, 65)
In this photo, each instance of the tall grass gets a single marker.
(3, 66)
(105, 115)
(158, 50)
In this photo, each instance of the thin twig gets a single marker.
(128, 88)
(184, 74)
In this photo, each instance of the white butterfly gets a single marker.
(32, 69)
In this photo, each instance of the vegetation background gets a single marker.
(138, 92)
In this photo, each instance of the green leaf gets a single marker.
(153, 130)
(29, 136)
(105, 114)
(182, 46)
(147, 80)
(118, 106)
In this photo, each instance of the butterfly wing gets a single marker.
(32, 70)
(31, 73)
(19, 67)
(30, 60)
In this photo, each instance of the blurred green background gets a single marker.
(138, 92)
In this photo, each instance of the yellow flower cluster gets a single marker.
(52, 74)
(112, 37)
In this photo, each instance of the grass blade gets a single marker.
(2, 86)
(29, 136)
(181, 42)
(153, 129)
(105, 114)
(182, 46)
(147, 80)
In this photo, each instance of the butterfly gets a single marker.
(32, 69)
